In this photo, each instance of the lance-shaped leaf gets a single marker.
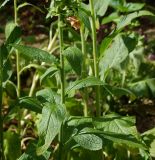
(126, 20)
(34, 53)
(87, 82)
(30, 104)
(74, 57)
(113, 56)
(13, 34)
(52, 118)
(128, 140)
(6, 68)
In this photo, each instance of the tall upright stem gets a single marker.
(15, 12)
(60, 29)
(17, 66)
(95, 55)
(1, 116)
(84, 68)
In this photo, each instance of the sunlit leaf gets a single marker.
(87, 82)
(34, 53)
(101, 6)
(89, 141)
(47, 95)
(52, 118)
(126, 20)
(113, 56)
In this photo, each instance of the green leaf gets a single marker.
(50, 72)
(130, 7)
(126, 20)
(89, 141)
(74, 57)
(34, 53)
(84, 18)
(30, 103)
(10, 26)
(30, 153)
(116, 124)
(6, 68)
(128, 140)
(10, 89)
(143, 88)
(106, 43)
(12, 149)
(14, 35)
(110, 18)
(47, 95)
(87, 82)
(52, 118)
(79, 121)
(149, 139)
(113, 56)
(101, 6)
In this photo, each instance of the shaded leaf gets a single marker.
(143, 88)
(14, 35)
(30, 103)
(12, 148)
(30, 153)
(84, 18)
(128, 140)
(74, 57)
(10, 26)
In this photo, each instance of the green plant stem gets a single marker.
(1, 105)
(34, 83)
(17, 67)
(18, 73)
(52, 41)
(15, 12)
(60, 30)
(84, 68)
(95, 56)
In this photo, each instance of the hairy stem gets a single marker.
(95, 55)
(84, 69)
